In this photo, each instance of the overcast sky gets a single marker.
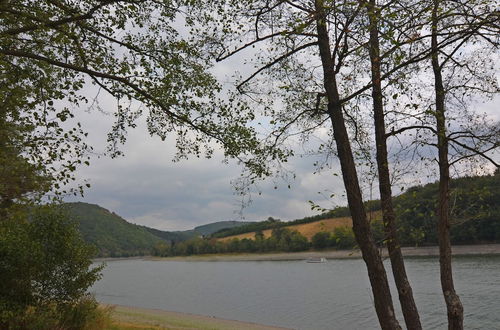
(147, 188)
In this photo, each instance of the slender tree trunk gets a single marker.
(453, 304)
(405, 292)
(361, 226)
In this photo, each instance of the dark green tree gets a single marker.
(44, 264)
(320, 240)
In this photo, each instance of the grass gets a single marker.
(307, 229)
(131, 318)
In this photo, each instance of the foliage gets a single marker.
(344, 238)
(112, 235)
(39, 148)
(44, 264)
(115, 237)
(475, 211)
(130, 50)
(85, 313)
(320, 240)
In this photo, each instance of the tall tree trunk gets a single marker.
(361, 226)
(405, 292)
(453, 304)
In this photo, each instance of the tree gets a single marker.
(458, 43)
(44, 263)
(453, 303)
(408, 306)
(320, 240)
(51, 50)
(344, 238)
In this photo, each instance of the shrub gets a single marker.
(344, 238)
(45, 270)
(320, 240)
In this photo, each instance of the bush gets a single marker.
(344, 238)
(85, 314)
(320, 240)
(45, 271)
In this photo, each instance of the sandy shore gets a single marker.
(141, 318)
(426, 251)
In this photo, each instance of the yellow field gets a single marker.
(308, 229)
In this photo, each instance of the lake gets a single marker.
(296, 294)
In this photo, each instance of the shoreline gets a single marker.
(425, 251)
(126, 317)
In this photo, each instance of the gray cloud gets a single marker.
(147, 188)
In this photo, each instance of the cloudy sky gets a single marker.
(146, 187)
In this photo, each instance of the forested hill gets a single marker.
(475, 211)
(115, 237)
(474, 208)
(216, 226)
(203, 230)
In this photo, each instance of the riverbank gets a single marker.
(424, 251)
(125, 317)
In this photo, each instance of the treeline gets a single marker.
(281, 240)
(475, 213)
(270, 223)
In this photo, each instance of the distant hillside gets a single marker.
(216, 226)
(475, 211)
(474, 208)
(171, 236)
(306, 229)
(115, 237)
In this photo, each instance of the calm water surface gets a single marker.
(295, 294)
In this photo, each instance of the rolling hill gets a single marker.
(115, 237)
(306, 229)
(475, 212)
(111, 234)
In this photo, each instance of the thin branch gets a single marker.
(401, 130)
(477, 152)
(275, 61)
(53, 24)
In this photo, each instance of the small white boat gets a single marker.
(316, 260)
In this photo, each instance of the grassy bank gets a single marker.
(127, 318)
